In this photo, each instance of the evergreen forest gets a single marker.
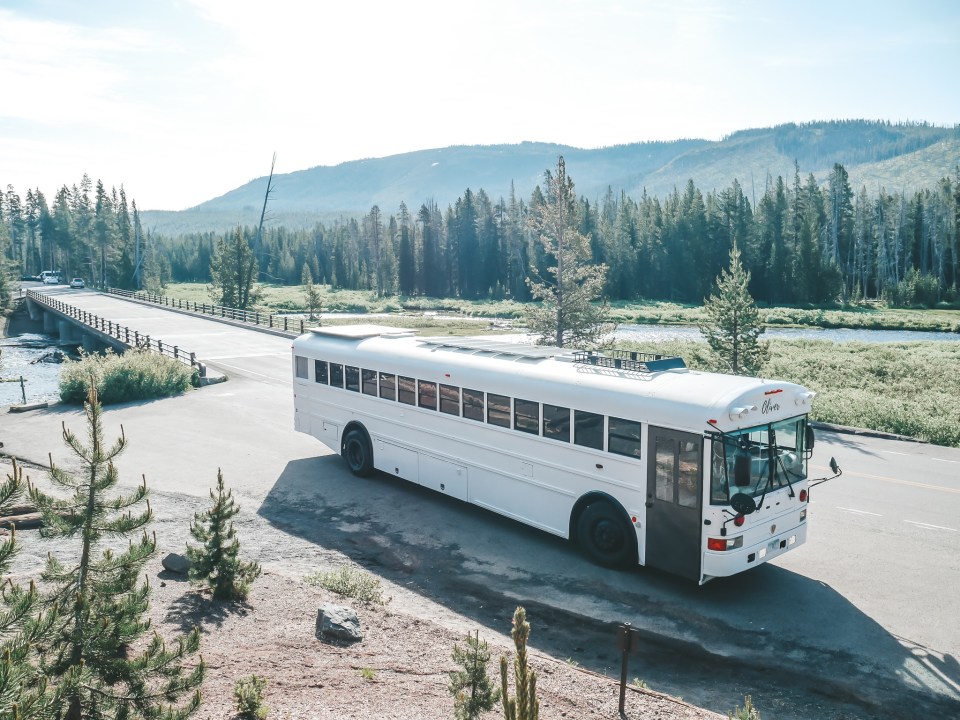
(803, 241)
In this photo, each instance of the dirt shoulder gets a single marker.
(399, 669)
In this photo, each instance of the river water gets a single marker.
(20, 355)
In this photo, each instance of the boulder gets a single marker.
(337, 621)
(176, 564)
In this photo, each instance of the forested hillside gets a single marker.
(806, 237)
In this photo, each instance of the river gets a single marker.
(19, 355)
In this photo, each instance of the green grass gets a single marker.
(904, 388)
(134, 375)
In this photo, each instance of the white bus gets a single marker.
(635, 457)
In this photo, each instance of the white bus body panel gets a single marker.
(483, 464)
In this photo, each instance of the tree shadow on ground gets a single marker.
(197, 608)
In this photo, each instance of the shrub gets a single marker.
(747, 712)
(349, 582)
(134, 375)
(248, 692)
(472, 689)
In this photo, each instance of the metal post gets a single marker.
(623, 636)
(284, 324)
(23, 390)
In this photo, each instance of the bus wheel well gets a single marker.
(356, 449)
(602, 527)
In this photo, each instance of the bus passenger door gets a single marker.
(674, 492)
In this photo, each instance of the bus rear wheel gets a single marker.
(357, 453)
(606, 536)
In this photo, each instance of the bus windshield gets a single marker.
(774, 454)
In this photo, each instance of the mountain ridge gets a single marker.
(875, 154)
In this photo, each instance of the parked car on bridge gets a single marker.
(51, 280)
(77, 283)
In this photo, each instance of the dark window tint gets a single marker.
(302, 367)
(427, 397)
(388, 386)
(498, 410)
(449, 399)
(369, 378)
(526, 416)
(588, 429)
(623, 437)
(473, 404)
(336, 375)
(320, 373)
(353, 378)
(406, 390)
(556, 422)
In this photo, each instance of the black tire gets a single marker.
(357, 453)
(606, 535)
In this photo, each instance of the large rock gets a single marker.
(176, 564)
(337, 621)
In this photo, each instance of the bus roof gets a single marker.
(673, 397)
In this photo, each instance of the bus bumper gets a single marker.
(730, 562)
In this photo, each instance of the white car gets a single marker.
(77, 283)
(51, 280)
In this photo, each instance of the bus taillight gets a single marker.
(803, 495)
(724, 543)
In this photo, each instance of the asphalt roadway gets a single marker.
(860, 622)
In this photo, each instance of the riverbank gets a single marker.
(867, 316)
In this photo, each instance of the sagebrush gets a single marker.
(134, 375)
(349, 582)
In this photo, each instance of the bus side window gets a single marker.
(388, 386)
(556, 422)
(450, 400)
(369, 382)
(588, 429)
(320, 373)
(498, 410)
(427, 397)
(336, 375)
(473, 404)
(623, 437)
(526, 416)
(353, 378)
(302, 367)
(406, 390)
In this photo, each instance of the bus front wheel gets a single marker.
(357, 453)
(606, 536)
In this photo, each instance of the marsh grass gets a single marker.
(904, 388)
(134, 375)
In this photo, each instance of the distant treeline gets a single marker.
(803, 243)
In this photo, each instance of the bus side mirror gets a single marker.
(810, 439)
(741, 469)
(834, 466)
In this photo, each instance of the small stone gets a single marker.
(338, 622)
(176, 564)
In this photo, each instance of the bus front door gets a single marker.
(674, 495)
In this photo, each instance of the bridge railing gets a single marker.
(130, 338)
(274, 321)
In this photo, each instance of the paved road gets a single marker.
(861, 621)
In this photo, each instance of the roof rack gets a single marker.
(628, 360)
(493, 348)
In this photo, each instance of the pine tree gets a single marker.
(102, 609)
(216, 562)
(525, 705)
(733, 328)
(311, 295)
(472, 689)
(23, 692)
(566, 315)
(233, 273)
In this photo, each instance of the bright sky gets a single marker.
(181, 101)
